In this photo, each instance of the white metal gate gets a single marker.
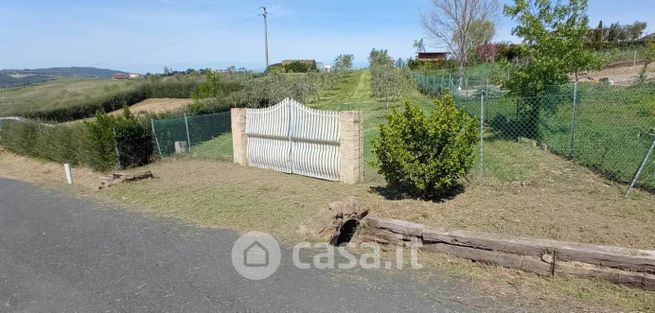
(292, 138)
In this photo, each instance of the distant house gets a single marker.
(119, 76)
(323, 67)
(648, 37)
(134, 76)
(311, 63)
(432, 56)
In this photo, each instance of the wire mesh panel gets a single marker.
(167, 132)
(292, 138)
(203, 128)
(606, 128)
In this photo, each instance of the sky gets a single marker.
(146, 35)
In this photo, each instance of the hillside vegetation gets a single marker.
(68, 99)
(14, 78)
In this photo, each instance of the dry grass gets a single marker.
(152, 105)
(555, 199)
(625, 75)
(156, 105)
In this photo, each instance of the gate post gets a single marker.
(350, 147)
(239, 138)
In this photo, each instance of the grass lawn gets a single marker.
(56, 94)
(476, 74)
(613, 126)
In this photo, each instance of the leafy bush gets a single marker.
(426, 155)
(300, 66)
(426, 66)
(92, 143)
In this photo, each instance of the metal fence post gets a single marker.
(641, 167)
(118, 155)
(573, 118)
(154, 134)
(188, 137)
(481, 134)
(634, 59)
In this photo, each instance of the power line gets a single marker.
(174, 42)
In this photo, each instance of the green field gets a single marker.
(477, 75)
(56, 94)
(613, 126)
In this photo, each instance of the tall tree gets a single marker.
(453, 22)
(419, 45)
(649, 58)
(554, 45)
(598, 35)
(343, 62)
(379, 58)
(482, 32)
(554, 36)
(635, 30)
(614, 32)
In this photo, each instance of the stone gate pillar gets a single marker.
(239, 138)
(351, 147)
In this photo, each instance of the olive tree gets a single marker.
(457, 24)
(343, 62)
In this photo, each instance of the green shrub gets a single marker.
(92, 144)
(426, 155)
(107, 133)
(434, 65)
(19, 137)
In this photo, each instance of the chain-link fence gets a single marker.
(201, 135)
(609, 129)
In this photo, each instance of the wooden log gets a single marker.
(117, 178)
(484, 241)
(387, 236)
(396, 226)
(522, 262)
(616, 257)
(579, 269)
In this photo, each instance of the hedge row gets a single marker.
(93, 143)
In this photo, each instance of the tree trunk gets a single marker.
(461, 74)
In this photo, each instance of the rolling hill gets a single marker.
(14, 78)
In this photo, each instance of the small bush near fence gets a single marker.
(93, 144)
(426, 155)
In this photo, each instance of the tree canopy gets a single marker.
(554, 37)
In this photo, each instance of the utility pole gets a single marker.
(265, 15)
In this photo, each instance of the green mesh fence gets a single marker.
(201, 129)
(604, 127)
